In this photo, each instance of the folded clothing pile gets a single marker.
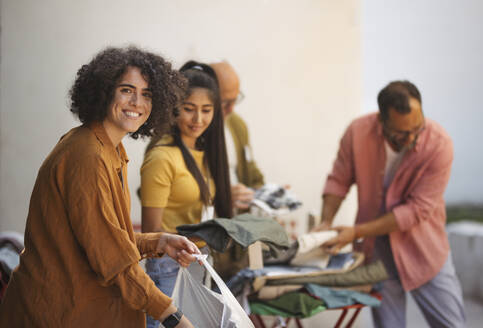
(309, 300)
(307, 251)
(244, 229)
(304, 295)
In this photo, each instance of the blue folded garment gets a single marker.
(336, 298)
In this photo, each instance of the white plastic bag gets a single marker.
(205, 308)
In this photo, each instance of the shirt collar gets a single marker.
(118, 154)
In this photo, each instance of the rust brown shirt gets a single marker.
(80, 263)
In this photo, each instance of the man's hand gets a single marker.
(241, 196)
(178, 247)
(345, 236)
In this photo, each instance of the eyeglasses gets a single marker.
(230, 102)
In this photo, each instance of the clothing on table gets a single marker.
(415, 195)
(292, 304)
(309, 252)
(164, 271)
(282, 257)
(440, 299)
(272, 197)
(271, 292)
(80, 263)
(167, 183)
(247, 171)
(367, 274)
(247, 276)
(244, 277)
(336, 298)
(244, 229)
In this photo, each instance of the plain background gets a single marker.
(299, 63)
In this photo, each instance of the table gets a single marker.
(258, 321)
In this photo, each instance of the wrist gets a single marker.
(326, 221)
(162, 242)
(357, 232)
(173, 319)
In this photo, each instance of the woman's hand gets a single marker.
(178, 247)
(241, 196)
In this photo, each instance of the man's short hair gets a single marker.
(396, 95)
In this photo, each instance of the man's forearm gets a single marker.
(380, 226)
(330, 206)
(347, 234)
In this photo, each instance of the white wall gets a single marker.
(299, 63)
(438, 45)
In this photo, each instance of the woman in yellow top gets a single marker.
(185, 173)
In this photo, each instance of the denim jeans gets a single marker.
(164, 271)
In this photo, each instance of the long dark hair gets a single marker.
(212, 141)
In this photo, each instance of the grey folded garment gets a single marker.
(367, 274)
(280, 257)
(244, 229)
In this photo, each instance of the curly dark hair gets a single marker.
(95, 83)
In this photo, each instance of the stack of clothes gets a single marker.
(302, 295)
(298, 279)
(304, 280)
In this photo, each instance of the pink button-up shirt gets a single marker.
(420, 246)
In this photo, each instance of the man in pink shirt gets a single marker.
(401, 163)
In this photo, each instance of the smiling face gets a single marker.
(195, 116)
(130, 106)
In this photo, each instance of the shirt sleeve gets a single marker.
(111, 254)
(147, 243)
(428, 191)
(257, 176)
(342, 177)
(140, 292)
(157, 175)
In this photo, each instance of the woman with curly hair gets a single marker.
(80, 265)
(185, 173)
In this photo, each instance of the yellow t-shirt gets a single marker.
(166, 182)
